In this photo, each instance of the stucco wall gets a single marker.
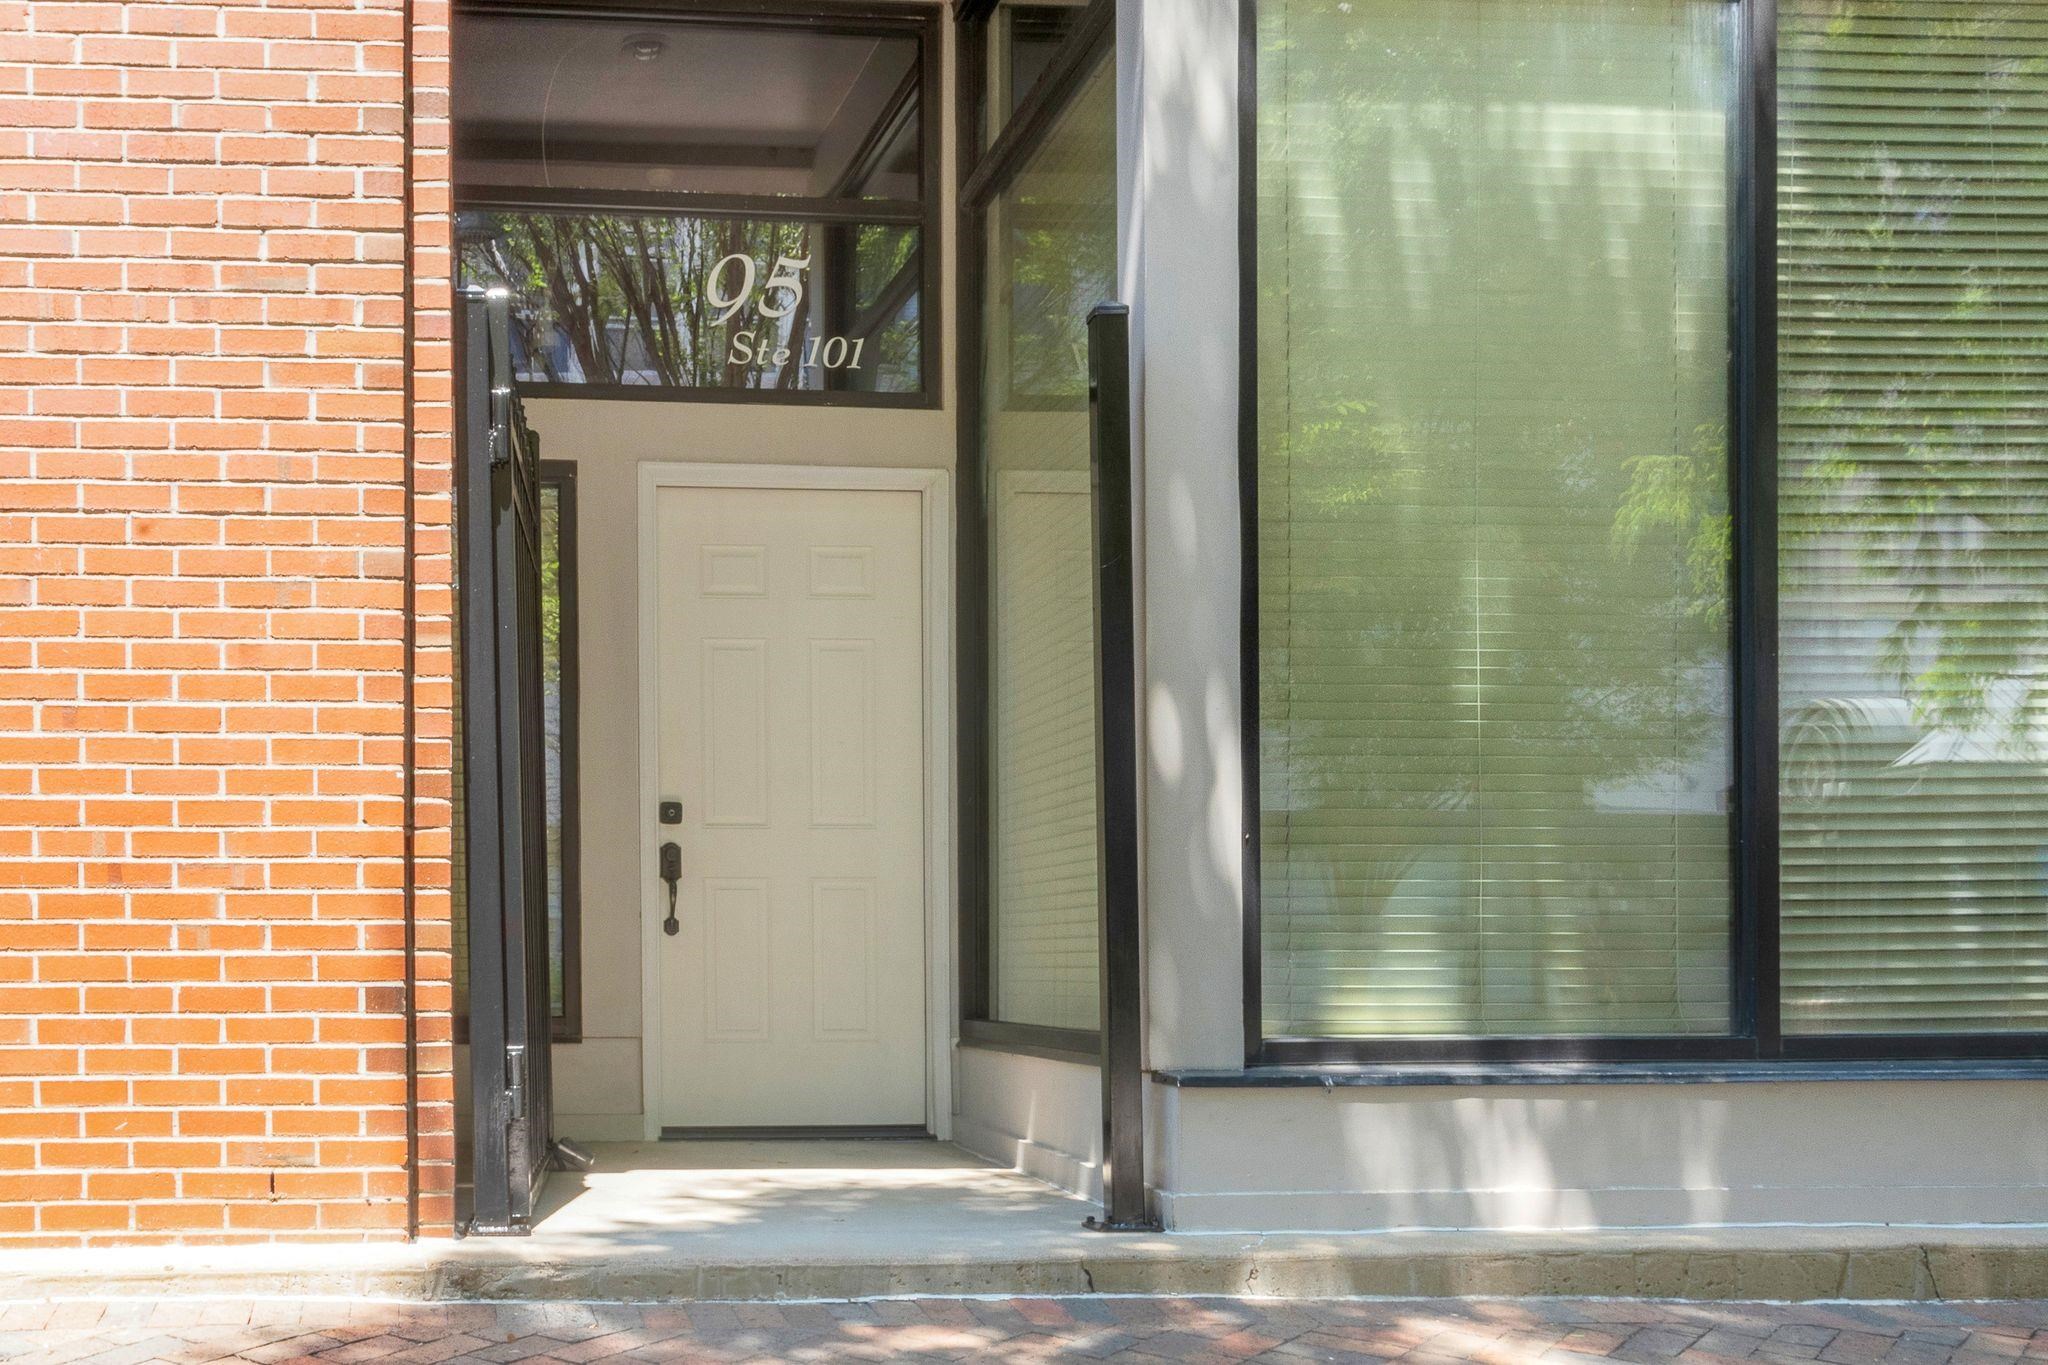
(1037, 1114)
(1178, 101)
(1604, 1156)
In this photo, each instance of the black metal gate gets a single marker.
(497, 498)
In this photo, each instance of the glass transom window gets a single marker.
(699, 204)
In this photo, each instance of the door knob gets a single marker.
(672, 873)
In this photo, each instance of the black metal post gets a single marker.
(1121, 965)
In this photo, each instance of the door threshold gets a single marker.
(853, 1132)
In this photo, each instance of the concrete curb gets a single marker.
(1786, 1265)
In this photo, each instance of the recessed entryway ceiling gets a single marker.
(670, 104)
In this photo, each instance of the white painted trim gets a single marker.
(934, 489)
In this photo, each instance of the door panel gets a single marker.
(790, 704)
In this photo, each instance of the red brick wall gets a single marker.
(432, 667)
(203, 673)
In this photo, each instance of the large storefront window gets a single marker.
(1913, 515)
(1492, 499)
(670, 223)
(1617, 687)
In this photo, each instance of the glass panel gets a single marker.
(892, 167)
(887, 283)
(679, 301)
(1052, 254)
(1913, 515)
(1492, 516)
(1022, 39)
(588, 103)
(556, 614)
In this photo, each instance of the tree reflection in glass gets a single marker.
(1493, 578)
(1913, 204)
(1051, 258)
(642, 299)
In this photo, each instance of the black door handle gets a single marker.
(672, 873)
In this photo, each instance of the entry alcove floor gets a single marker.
(880, 1201)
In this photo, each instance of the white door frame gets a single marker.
(934, 490)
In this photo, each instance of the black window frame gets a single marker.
(876, 18)
(566, 1025)
(1755, 1034)
(982, 177)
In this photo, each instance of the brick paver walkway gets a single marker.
(1439, 1332)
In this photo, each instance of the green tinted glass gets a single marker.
(1913, 515)
(1052, 255)
(1494, 646)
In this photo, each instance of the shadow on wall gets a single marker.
(1524, 1164)
(1519, 1158)
(1565, 1157)
(1178, 78)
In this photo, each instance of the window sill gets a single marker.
(1604, 1073)
(1079, 1046)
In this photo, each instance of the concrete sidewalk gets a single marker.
(1498, 1332)
(676, 1222)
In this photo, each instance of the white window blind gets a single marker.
(1052, 254)
(1492, 518)
(1913, 514)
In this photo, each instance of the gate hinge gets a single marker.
(515, 1082)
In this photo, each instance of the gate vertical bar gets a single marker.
(1116, 775)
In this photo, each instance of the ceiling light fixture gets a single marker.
(644, 47)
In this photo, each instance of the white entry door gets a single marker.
(790, 691)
